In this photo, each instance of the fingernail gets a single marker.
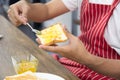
(24, 20)
(40, 46)
(37, 39)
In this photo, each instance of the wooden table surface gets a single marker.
(14, 42)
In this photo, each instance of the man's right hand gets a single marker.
(18, 12)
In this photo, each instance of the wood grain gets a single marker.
(15, 42)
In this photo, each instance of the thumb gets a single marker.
(68, 34)
(24, 15)
(24, 19)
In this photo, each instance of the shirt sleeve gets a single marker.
(72, 4)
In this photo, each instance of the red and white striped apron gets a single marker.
(94, 18)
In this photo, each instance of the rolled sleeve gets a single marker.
(71, 4)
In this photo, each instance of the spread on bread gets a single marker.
(24, 76)
(52, 34)
(24, 66)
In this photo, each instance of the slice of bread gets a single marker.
(24, 76)
(52, 35)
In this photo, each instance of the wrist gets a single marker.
(88, 59)
(93, 61)
(85, 58)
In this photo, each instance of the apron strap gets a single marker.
(115, 3)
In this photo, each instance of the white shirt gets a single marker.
(112, 30)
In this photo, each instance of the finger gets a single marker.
(24, 14)
(38, 40)
(68, 34)
(17, 12)
(55, 49)
(18, 16)
(23, 19)
(13, 20)
(13, 17)
(8, 11)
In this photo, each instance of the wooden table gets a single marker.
(15, 42)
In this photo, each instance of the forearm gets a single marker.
(109, 67)
(40, 12)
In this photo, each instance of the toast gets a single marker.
(52, 35)
(24, 76)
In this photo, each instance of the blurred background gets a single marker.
(71, 19)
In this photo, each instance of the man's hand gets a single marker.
(75, 50)
(18, 12)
